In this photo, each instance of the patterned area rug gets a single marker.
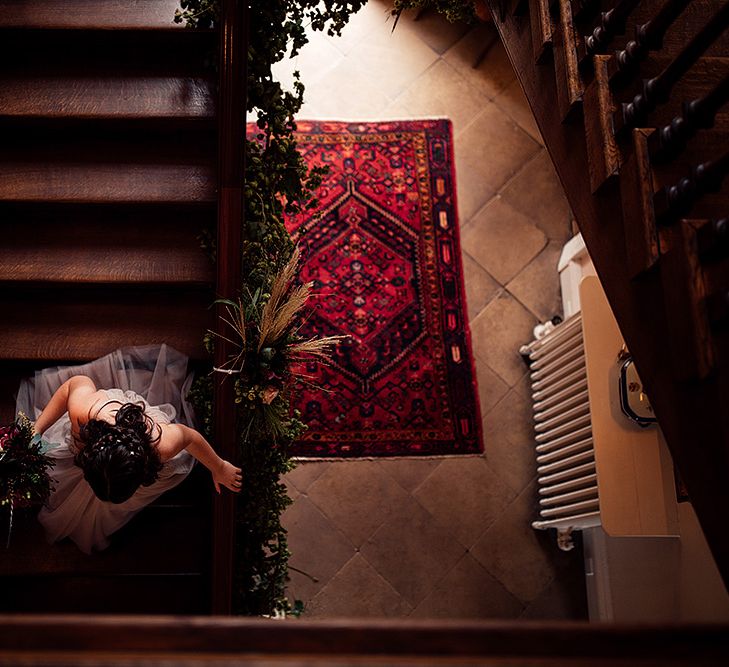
(385, 258)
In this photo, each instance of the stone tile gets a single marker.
(498, 332)
(313, 62)
(305, 473)
(433, 28)
(345, 94)
(412, 552)
(491, 389)
(537, 193)
(521, 558)
(502, 239)
(488, 152)
(537, 284)
(509, 440)
(374, 16)
(465, 496)
(358, 496)
(409, 473)
(480, 286)
(390, 60)
(565, 598)
(291, 490)
(357, 591)
(514, 103)
(318, 548)
(482, 47)
(433, 94)
(468, 591)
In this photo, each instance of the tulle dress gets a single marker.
(154, 374)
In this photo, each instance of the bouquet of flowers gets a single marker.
(264, 331)
(24, 478)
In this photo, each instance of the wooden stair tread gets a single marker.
(48, 324)
(159, 540)
(96, 15)
(135, 97)
(106, 182)
(113, 264)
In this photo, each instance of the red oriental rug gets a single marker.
(385, 258)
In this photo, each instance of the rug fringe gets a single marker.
(430, 457)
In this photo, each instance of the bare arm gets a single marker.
(176, 437)
(72, 396)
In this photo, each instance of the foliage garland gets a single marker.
(277, 183)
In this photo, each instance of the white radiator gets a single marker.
(565, 454)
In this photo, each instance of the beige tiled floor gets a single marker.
(447, 537)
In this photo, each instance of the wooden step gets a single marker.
(90, 14)
(106, 182)
(83, 324)
(116, 594)
(151, 246)
(159, 540)
(133, 97)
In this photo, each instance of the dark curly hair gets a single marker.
(119, 458)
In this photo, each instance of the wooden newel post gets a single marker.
(231, 153)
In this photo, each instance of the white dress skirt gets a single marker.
(153, 374)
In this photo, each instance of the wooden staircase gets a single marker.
(107, 177)
(630, 97)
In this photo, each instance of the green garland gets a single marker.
(277, 183)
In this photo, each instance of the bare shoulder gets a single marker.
(173, 439)
(82, 395)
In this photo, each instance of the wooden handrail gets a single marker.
(231, 157)
(203, 640)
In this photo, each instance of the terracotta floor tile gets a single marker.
(488, 152)
(433, 93)
(465, 497)
(317, 547)
(524, 560)
(494, 72)
(502, 240)
(412, 552)
(409, 472)
(509, 440)
(537, 193)
(468, 591)
(535, 286)
(498, 332)
(305, 473)
(358, 497)
(480, 286)
(357, 591)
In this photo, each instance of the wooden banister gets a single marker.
(645, 205)
(658, 89)
(231, 147)
(611, 23)
(648, 37)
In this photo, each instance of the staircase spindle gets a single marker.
(611, 23)
(648, 37)
(675, 201)
(696, 115)
(658, 89)
(713, 240)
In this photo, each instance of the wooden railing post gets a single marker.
(231, 156)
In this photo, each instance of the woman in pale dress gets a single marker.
(116, 450)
